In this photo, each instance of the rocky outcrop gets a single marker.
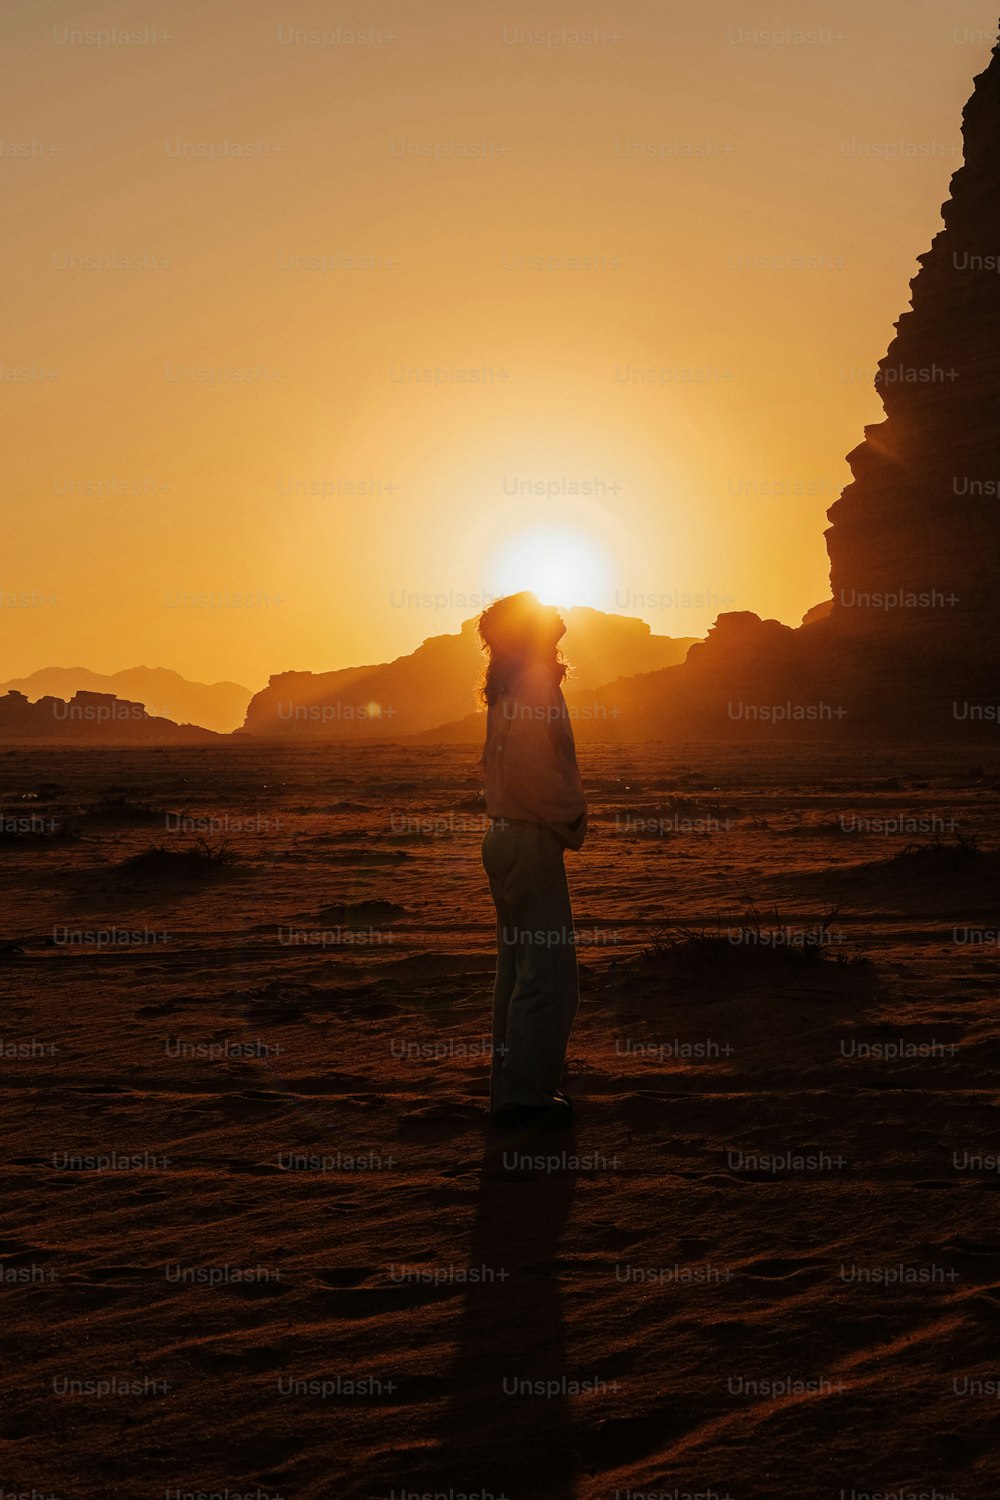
(92, 719)
(914, 542)
(166, 694)
(818, 612)
(749, 679)
(435, 684)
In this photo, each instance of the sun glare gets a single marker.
(561, 566)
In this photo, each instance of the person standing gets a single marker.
(537, 809)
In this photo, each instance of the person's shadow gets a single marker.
(500, 1436)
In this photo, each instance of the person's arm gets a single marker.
(539, 763)
(481, 768)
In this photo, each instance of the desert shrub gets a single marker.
(938, 855)
(749, 939)
(200, 858)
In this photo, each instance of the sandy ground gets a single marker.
(257, 1236)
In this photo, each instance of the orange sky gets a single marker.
(359, 239)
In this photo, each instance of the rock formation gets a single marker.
(915, 540)
(435, 684)
(217, 705)
(92, 719)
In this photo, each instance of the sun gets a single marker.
(560, 565)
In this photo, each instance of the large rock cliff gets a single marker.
(915, 540)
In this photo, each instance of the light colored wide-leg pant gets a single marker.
(537, 992)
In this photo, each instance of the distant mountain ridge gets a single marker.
(166, 694)
(435, 684)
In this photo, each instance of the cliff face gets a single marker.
(915, 540)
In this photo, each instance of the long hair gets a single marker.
(511, 634)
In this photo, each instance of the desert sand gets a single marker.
(259, 1238)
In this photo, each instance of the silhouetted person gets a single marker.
(537, 807)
